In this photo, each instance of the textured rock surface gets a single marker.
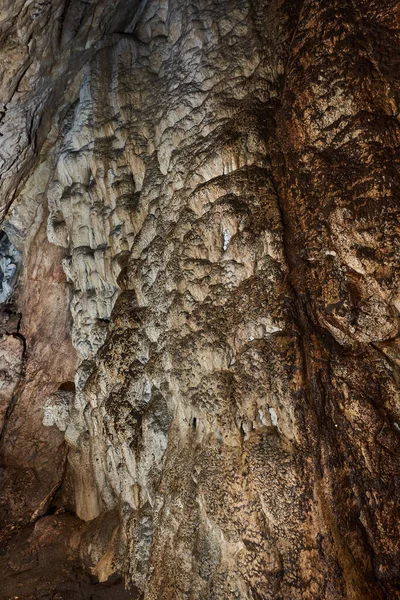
(9, 263)
(200, 360)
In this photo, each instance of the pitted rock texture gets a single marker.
(9, 263)
(201, 357)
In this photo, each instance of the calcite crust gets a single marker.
(199, 318)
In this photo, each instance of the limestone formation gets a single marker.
(200, 295)
(9, 262)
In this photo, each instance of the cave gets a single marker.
(199, 299)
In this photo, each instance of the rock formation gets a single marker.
(200, 295)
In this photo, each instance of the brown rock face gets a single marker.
(199, 363)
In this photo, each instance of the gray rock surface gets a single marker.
(9, 263)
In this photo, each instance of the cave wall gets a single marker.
(199, 364)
